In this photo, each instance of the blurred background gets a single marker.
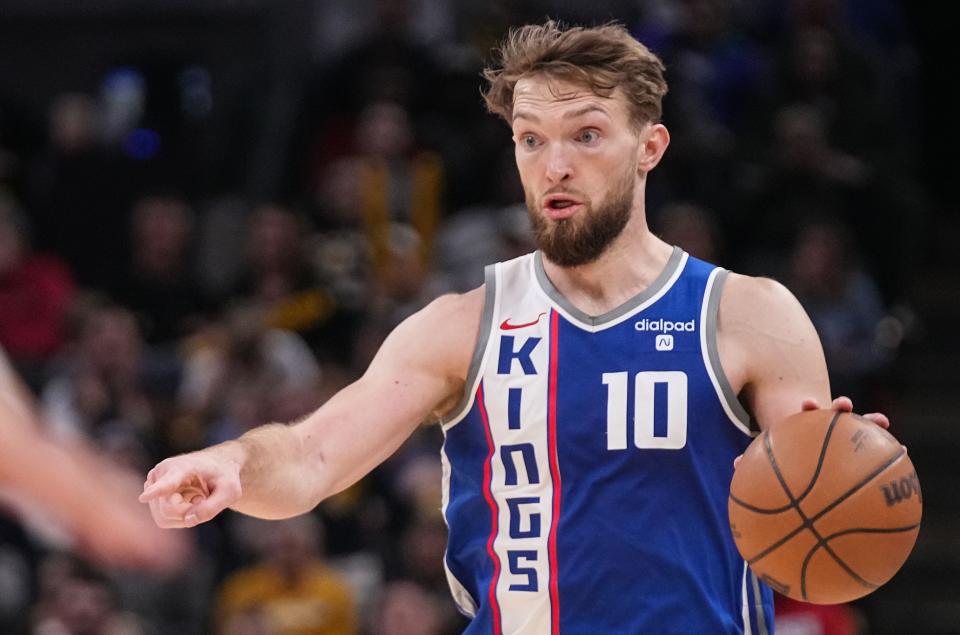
(212, 212)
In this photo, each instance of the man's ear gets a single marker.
(654, 140)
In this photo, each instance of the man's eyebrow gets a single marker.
(573, 114)
(519, 114)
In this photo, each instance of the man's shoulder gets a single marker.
(455, 307)
(754, 292)
(444, 332)
(753, 306)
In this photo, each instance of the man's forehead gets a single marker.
(538, 92)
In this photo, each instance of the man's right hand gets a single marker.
(186, 490)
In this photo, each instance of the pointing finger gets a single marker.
(164, 486)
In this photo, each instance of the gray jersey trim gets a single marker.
(758, 604)
(713, 353)
(483, 337)
(676, 258)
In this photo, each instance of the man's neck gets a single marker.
(627, 267)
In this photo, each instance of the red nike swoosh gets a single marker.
(506, 326)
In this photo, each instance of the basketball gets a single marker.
(825, 507)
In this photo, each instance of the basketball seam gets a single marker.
(809, 523)
(824, 542)
(819, 515)
(759, 510)
(775, 545)
(813, 480)
(871, 530)
(768, 449)
(856, 488)
(792, 505)
(823, 453)
(806, 561)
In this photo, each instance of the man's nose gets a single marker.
(559, 167)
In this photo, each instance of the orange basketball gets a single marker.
(825, 506)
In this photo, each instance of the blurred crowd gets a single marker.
(156, 304)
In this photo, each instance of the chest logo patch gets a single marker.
(664, 342)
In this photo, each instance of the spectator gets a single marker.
(843, 302)
(80, 601)
(241, 372)
(406, 609)
(717, 74)
(288, 589)
(399, 182)
(159, 286)
(820, 68)
(805, 171)
(35, 291)
(400, 290)
(283, 280)
(109, 380)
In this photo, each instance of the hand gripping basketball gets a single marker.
(184, 491)
(825, 506)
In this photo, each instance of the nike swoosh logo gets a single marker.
(506, 326)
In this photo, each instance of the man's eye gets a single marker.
(528, 140)
(588, 136)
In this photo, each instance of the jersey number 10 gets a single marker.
(662, 393)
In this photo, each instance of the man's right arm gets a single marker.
(278, 470)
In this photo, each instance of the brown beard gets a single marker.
(580, 239)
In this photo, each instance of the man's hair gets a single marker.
(601, 58)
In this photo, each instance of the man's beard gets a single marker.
(582, 238)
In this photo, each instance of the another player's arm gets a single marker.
(91, 496)
(770, 349)
(278, 470)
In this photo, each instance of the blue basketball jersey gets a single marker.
(586, 470)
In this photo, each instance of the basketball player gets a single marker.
(72, 486)
(594, 394)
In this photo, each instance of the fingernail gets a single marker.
(190, 518)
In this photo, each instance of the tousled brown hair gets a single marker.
(602, 58)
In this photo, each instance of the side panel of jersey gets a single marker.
(470, 519)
